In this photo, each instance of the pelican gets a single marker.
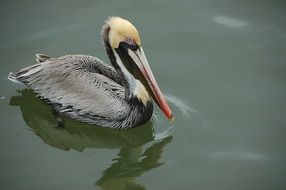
(84, 88)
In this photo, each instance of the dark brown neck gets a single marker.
(127, 83)
(143, 112)
(105, 38)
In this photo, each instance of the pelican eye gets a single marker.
(130, 41)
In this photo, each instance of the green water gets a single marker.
(221, 63)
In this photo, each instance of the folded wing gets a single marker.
(78, 85)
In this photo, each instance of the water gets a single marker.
(221, 64)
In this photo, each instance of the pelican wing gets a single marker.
(78, 85)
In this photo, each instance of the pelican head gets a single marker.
(122, 30)
(123, 45)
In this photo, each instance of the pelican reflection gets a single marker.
(138, 151)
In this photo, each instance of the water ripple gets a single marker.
(238, 154)
(181, 105)
(232, 22)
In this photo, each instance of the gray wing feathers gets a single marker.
(78, 83)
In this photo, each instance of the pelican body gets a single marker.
(86, 89)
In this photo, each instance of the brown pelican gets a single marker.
(84, 88)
